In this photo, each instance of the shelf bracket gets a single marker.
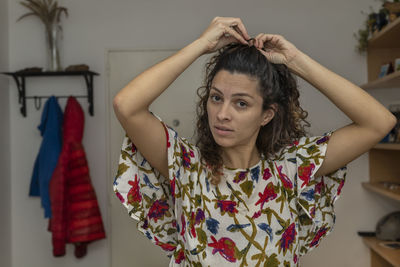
(19, 78)
(89, 85)
(21, 92)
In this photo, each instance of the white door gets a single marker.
(176, 106)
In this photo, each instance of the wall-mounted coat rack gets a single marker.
(19, 78)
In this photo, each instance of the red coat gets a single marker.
(76, 216)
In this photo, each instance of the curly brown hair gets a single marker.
(276, 85)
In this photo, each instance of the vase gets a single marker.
(53, 37)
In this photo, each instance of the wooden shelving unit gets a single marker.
(384, 38)
(384, 159)
(382, 256)
(389, 81)
(383, 48)
(381, 190)
(388, 146)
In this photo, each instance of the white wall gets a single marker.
(323, 30)
(5, 178)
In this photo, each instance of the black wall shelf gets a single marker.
(19, 78)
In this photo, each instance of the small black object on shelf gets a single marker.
(366, 233)
(19, 78)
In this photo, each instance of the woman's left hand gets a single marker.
(276, 48)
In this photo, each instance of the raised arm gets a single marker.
(132, 102)
(371, 120)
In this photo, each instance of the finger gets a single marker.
(237, 29)
(242, 29)
(251, 41)
(238, 24)
(271, 39)
(235, 34)
(259, 43)
(262, 52)
(262, 39)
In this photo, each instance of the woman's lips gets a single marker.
(222, 131)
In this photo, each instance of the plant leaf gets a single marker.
(62, 9)
(26, 15)
(53, 13)
(36, 8)
(47, 11)
(30, 7)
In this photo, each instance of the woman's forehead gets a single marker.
(235, 83)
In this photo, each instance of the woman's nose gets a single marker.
(223, 112)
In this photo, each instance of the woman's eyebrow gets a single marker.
(237, 94)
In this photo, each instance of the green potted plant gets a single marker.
(49, 13)
(374, 23)
(393, 8)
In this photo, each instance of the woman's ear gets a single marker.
(269, 114)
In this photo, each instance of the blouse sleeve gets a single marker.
(148, 196)
(316, 195)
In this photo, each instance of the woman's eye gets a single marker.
(215, 98)
(242, 104)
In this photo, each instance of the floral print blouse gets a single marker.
(267, 215)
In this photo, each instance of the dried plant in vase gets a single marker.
(49, 13)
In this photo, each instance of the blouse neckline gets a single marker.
(234, 170)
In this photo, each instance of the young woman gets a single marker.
(254, 190)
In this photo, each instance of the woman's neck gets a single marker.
(240, 158)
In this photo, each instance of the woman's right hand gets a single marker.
(223, 31)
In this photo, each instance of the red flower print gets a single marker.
(133, 148)
(304, 173)
(172, 185)
(180, 256)
(240, 177)
(182, 233)
(158, 209)
(295, 143)
(285, 180)
(318, 186)
(134, 195)
(321, 232)
(312, 212)
(267, 174)
(340, 187)
(192, 229)
(208, 165)
(195, 218)
(165, 246)
(256, 214)
(288, 237)
(185, 157)
(167, 135)
(121, 198)
(191, 153)
(269, 194)
(225, 246)
(295, 258)
(227, 206)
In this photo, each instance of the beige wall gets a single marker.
(322, 29)
(5, 152)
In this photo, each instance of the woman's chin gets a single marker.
(223, 142)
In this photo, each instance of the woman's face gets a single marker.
(234, 110)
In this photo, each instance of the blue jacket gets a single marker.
(51, 130)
